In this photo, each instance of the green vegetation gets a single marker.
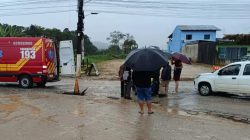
(38, 31)
(239, 39)
(121, 43)
(103, 57)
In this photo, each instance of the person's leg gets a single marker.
(176, 86)
(141, 105)
(149, 105)
(148, 99)
(140, 98)
(157, 85)
(167, 86)
(162, 89)
(128, 90)
(122, 88)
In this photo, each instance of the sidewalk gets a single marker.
(190, 71)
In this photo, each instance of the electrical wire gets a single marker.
(179, 9)
(36, 13)
(40, 7)
(13, 4)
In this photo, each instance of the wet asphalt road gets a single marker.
(46, 113)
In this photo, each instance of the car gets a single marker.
(233, 78)
(245, 58)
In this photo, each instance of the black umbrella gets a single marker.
(147, 59)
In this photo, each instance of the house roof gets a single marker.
(198, 28)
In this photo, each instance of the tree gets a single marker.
(115, 38)
(240, 39)
(10, 31)
(114, 49)
(35, 31)
(129, 44)
(88, 46)
(38, 31)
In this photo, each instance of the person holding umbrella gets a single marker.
(142, 81)
(144, 62)
(177, 73)
(177, 59)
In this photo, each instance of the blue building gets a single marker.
(187, 33)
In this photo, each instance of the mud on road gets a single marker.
(46, 113)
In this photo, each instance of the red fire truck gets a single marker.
(28, 60)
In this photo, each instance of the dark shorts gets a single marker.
(177, 74)
(143, 94)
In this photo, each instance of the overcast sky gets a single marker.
(149, 21)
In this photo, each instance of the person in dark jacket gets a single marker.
(120, 73)
(165, 79)
(127, 83)
(142, 81)
(155, 83)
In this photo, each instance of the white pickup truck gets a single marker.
(233, 78)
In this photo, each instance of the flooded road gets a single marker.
(46, 113)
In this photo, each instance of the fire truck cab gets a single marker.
(28, 60)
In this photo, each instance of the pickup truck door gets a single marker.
(244, 80)
(227, 79)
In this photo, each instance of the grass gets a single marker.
(100, 58)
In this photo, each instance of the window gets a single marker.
(247, 70)
(230, 70)
(207, 36)
(188, 37)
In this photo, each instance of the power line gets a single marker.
(36, 13)
(174, 15)
(13, 4)
(40, 7)
(28, 2)
(167, 15)
(152, 8)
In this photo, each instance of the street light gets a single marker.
(92, 13)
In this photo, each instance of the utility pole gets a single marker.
(79, 43)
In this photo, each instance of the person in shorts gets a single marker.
(177, 73)
(165, 79)
(142, 81)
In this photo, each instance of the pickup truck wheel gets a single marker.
(25, 81)
(205, 89)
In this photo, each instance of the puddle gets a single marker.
(51, 119)
(114, 98)
(209, 115)
(11, 104)
(174, 111)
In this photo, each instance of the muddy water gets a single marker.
(11, 103)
